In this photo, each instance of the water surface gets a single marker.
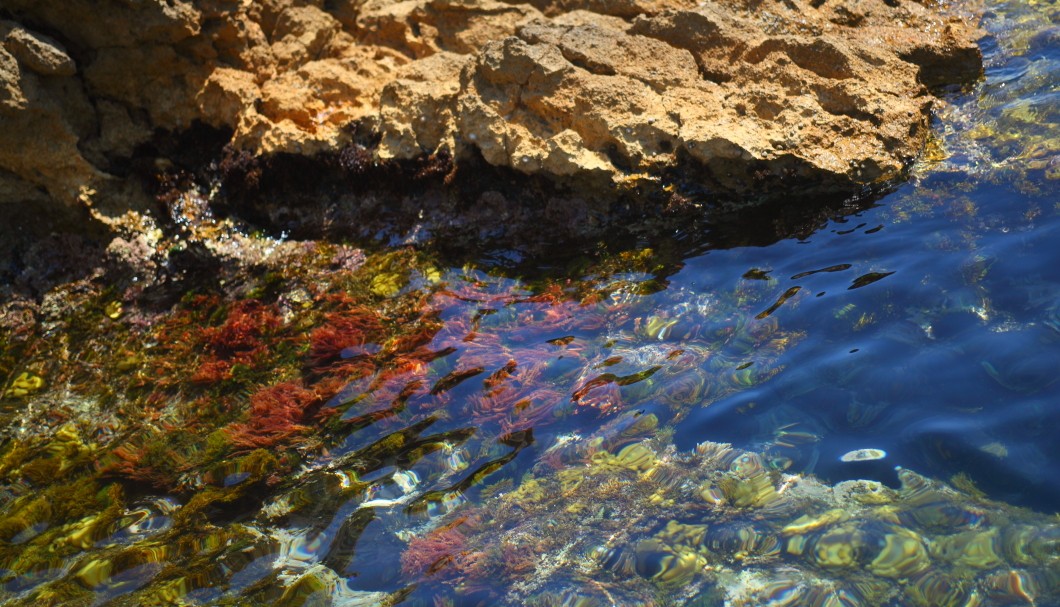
(925, 328)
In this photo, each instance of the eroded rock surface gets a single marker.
(747, 94)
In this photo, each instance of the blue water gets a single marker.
(904, 363)
(925, 324)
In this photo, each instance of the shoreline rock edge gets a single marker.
(750, 96)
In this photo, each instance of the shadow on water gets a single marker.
(469, 212)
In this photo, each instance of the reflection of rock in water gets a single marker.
(649, 525)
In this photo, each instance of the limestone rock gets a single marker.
(39, 145)
(37, 52)
(10, 75)
(416, 112)
(420, 28)
(740, 95)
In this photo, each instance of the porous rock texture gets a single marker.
(747, 95)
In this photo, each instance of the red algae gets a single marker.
(499, 376)
(243, 339)
(442, 550)
(343, 335)
(248, 321)
(154, 466)
(532, 411)
(600, 392)
(277, 415)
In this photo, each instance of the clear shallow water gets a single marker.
(926, 326)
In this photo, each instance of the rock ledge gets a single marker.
(746, 97)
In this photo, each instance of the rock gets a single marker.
(120, 132)
(37, 52)
(420, 28)
(41, 129)
(744, 97)
(417, 113)
(10, 76)
(301, 34)
(226, 95)
(618, 8)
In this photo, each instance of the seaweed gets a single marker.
(277, 415)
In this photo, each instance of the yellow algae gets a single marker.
(432, 274)
(24, 385)
(975, 549)
(682, 533)
(962, 482)
(659, 498)
(636, 457)
(95, 572)
(807, 522)
(386, 284)
(711, 494)
(902, 555)
(864, 321)
(996, 448)
(575, 507)
(837, 547)
(570, 479)
(113, 310)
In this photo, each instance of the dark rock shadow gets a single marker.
(466, 210)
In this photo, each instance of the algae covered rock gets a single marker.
(648, 532)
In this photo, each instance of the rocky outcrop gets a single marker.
(741, 95)
(41, 107)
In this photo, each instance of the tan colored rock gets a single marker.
(423, 27)
(39, 144)
(605, 94)
(618, 8)
(226, 94)
(37, 52)
(626, 102)
(301, 34)
(416, 111)
(11, 96)
(567, 100)
(121, 23)
(167, 92)
(119, 133)
(43, 151)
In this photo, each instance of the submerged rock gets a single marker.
(720, 526)
(741, 97)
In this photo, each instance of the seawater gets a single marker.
(921, 330)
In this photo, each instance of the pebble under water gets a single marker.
(863, 414)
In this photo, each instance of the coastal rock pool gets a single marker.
(861, 412)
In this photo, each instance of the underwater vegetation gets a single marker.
(650, 525)
(184, 438)
(152, 452)
(131, 430)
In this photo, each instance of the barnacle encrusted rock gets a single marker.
(739, 95)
